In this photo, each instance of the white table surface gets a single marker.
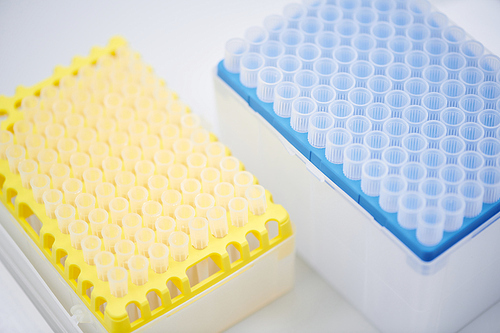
(183, 41)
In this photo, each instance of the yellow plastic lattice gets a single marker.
(104, 128)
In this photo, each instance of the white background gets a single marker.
(183, 41)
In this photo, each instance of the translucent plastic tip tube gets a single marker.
(473, 193)
(250, 65)
(310, 27)
(360, 99)
(395, 158)
(271, 51)
(98, 218)
(346, 29)
(365, 18)
(379, 86)
(397, 101)
(319, 125)
(131, 155)
(138, 266)
(490, 65)
(337, 140)
(471, 77)
(430, 226)
(384, 8)
(435, 48)
(436, 22)
(52, 198)
(355, 155)
(341, 111)
(78, 230)
(472, 50)
(399, 46)
(452, 146)
(391, 188)
(323, 96)
(214, 151)
(452, 118)
(416, 87)
(91, 246)
(255, 36)
(39, 185)
(383, 32)
(435, 75)
(358, 127)
(453, 90)
(65, 215)
(7, 139)
(453, 206)
(158, 257)
(198, 231)
(329, 16)
(453, 63)
(302, 109)
(151, 211)
(118, 281)
(104, 261)
(179, 246)
(256, 197)
(291, 39)
(124, 250)
(345, 56)
(28, 169)
(79, 163)
(137, 196)
(396, 129)
(362, 70)
(415, 116)
(433, 131)
(22, 128)
(489, 148)
(274, 25)
(223, 192)
(342, 83)
(293, 13)
(401, 20)
(363, 44)
(376, 142)
(229, 166)
(217, 220)
(398, 73)
(177, 173)
(418, 35)
(452, 176)
(285, 93)
(85, 203)
(432, 189)
(327, 41)
(235, 48)
(414, 144)
(268, 79)
(15, 154)
(306, 80)
(238, 211)
(471, 162)
(144, 238)
(308, 53)
(165, 225)
(184, 214)
(124, 181)
(157, 184)
(92, 177)
(143, 171)
(410, 205)
(489, 178)
(373, 171)
(490, 93)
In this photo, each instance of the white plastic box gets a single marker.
(375, 271)
(235, 297)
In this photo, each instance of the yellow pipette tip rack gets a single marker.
(131, 200)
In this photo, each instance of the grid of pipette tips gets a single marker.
(404, 99)
(127, 179)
